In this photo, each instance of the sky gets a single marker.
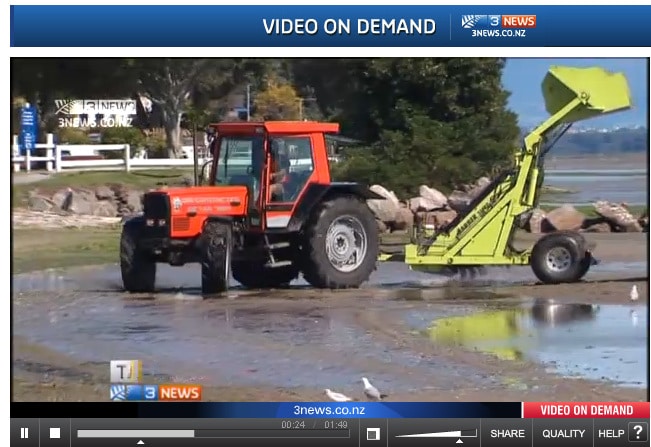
(522, 77)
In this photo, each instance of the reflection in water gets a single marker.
(575, 340)
(550, 313)
(472, 331)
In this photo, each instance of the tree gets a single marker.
(169, 83)
(278, 101)
(436, 121)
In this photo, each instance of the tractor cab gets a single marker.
(275, 161)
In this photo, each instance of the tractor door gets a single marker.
(291, 168)
(240, 161)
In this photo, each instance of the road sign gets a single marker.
(28, 129)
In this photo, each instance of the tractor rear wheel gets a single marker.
(216, 246)
(560, 258)
(341, 246)
(254, 275)
(138, 269)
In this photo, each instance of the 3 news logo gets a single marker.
(134, 392)
(126, 378)
(486, 21)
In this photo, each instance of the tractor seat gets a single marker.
(474, 202)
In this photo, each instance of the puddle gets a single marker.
(281, 344)
(605, 343)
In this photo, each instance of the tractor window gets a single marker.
(291, 168)
(240, 162)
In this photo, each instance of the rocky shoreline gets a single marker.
(434, 210)
(107, 204)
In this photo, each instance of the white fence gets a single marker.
(55, 163)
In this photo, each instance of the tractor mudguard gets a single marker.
(220, 219)
(316, 193)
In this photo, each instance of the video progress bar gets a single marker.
(216, 433)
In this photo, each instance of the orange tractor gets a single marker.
(268, 212)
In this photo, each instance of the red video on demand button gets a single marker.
(585, 410)
(526, 21)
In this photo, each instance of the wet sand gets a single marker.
(288, 345)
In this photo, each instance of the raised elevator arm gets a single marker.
(481, 235)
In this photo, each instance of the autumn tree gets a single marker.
(278, 101)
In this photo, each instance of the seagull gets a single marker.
(634, 295)
(372, 392)
(337, 397)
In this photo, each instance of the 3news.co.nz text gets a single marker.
(499, 33)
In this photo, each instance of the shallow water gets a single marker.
(607, 342)
(588, 186)
(176, 333)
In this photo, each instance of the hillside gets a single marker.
(600, 141)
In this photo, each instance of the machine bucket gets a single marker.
(601, 92)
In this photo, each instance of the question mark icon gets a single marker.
(637, 431)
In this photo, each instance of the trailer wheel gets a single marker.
(559, 258)
(138, 269)
(254, 275)
(341, 246)
(216, 245)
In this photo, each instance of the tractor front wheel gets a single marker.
(216, 246)
(138, 269)
(560, 258)
(254, 275)
(341, 246)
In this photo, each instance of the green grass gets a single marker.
(39, 249)
(88, 179)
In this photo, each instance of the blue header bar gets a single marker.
(329, 26)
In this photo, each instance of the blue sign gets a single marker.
(28, 129)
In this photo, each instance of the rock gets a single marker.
(75, 201)
(389, 195)
(104, 193)
(443, 217)
(437, 198)
(404, 220)
(600, 227)
(536, 220)
(105, 208)
(83, 202)
(62, 197)
(418, 204)
(381, 226)
(134, 201)
(617, 215)
(385, 210)
(482, 182)
(459, 200)
(565, 217)
(40, 203)
(426, 220)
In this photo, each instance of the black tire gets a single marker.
(316, 266)
(216, 245)
(585, 265)
(559, 258)
(138, 268)
(254, 275)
